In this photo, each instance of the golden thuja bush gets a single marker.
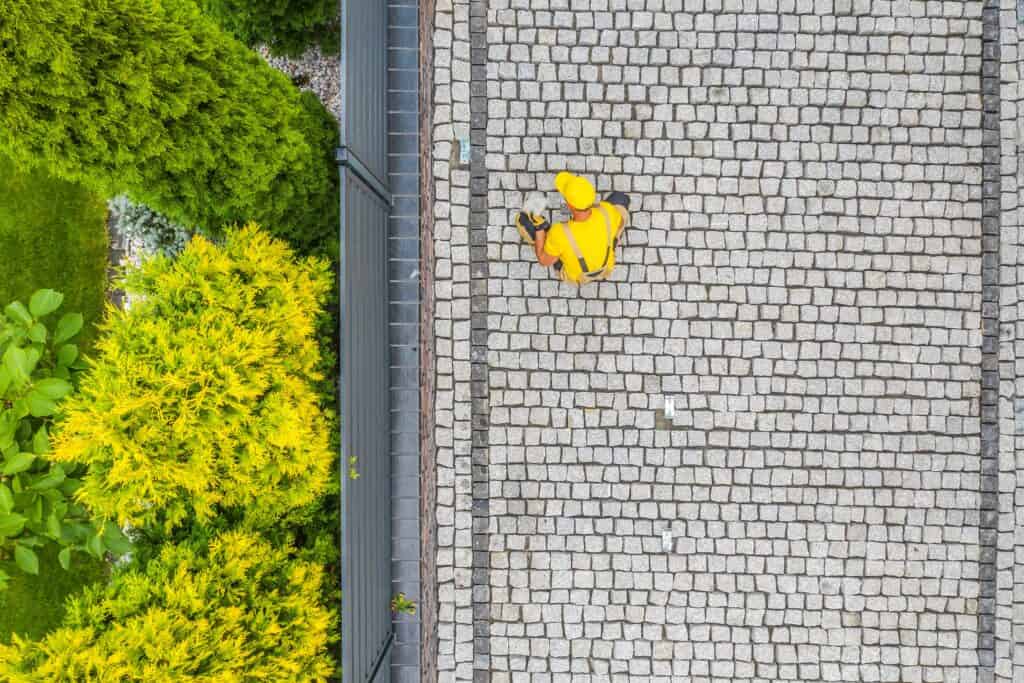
(201, 396)
(238, 610)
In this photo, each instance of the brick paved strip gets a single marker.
(428, 607)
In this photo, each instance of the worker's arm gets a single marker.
(544, 258)
(618, 199)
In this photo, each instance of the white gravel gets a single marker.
(312, 71)
(123, 252)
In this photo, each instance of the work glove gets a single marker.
(618, 199)
(530, 224)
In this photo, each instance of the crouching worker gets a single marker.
(583, 248)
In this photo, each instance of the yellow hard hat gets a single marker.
(577, 190)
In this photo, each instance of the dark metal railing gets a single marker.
(364, 377)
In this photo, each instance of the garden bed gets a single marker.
(52, 235)
(205, 417)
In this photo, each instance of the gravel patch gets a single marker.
(312, 71)
(124, 252)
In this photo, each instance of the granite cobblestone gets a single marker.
(1009, 615)
(803, 278)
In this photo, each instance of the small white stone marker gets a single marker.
(670, 407)
(666, 541)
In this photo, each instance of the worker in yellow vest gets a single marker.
(583, 248)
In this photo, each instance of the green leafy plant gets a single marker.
(201, 397)
(153, 99)
(37, 369)
(235, 609)
(400, 604)
(287, 27)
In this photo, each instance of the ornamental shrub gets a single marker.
(38, 364)
(154, 100)
(311, 532)
(287, 27)
(237, 611)
(154, 233)
(201, 397)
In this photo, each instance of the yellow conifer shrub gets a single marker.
(237, 611)
(201, 396)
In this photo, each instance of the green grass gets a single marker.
(34, 605)
(52, 234)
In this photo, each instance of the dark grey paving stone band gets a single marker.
(988, 532)
(479, 392)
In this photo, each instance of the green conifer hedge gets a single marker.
(287, 27)
(153, 99)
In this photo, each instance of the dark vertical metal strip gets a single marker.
(348, 611)
(367, 460)
(366, 506)
(990, 235)
(479, 393)
(357, 419)
(382, 541)
(344, 362)
(363, 144)
(364, 300)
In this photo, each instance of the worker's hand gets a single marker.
(618, 199)
(532, 224)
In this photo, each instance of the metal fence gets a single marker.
(365, 411)
(364, 88)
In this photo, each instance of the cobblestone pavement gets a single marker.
(804, 278)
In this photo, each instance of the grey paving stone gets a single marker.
(804, 275)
